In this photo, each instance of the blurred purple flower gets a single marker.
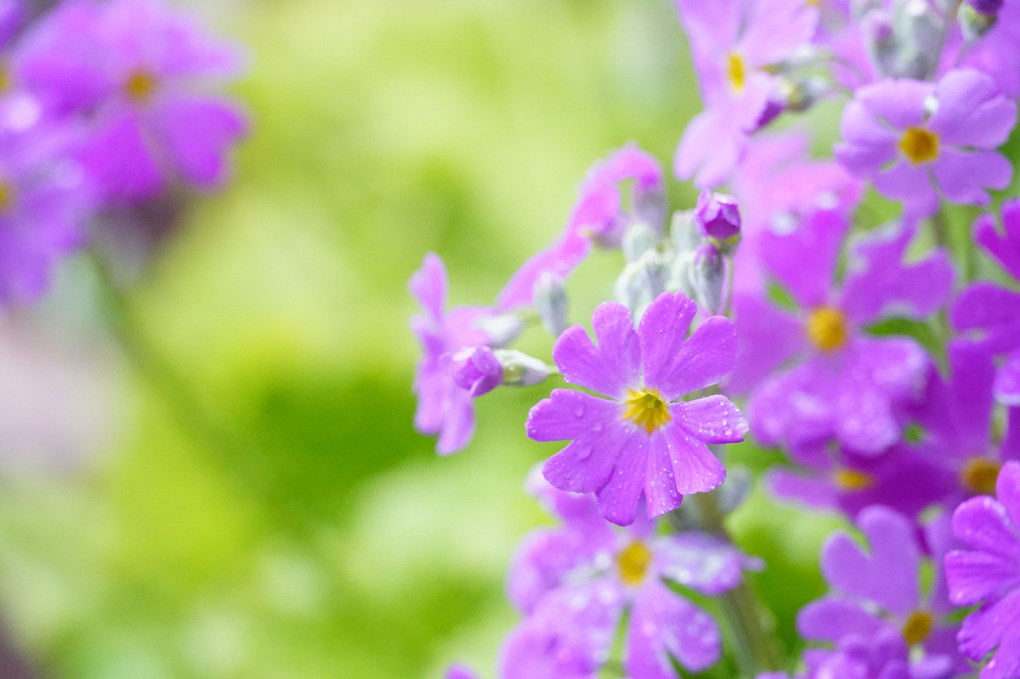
(717, 215)
(574, 583)
(138, 70)
(642, 440)
(989, 575)
(444, 407)
(920, 142)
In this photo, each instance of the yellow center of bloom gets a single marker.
(826, 328)
(646, 409)
(917, 627)
(735, 72)
(140, 85)
(852, 480)
(633, 562)
(979, 476)
(919, 145)
(6, 195)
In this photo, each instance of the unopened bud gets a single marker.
(551, 303)
(638, 239)
(717, 216)
(707, 275)
(521, 370)
(475, 369)
(642, 281)
(501, 329)
(683, 231)
(975, 21)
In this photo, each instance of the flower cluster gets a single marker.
(866, 350)
(102, 105)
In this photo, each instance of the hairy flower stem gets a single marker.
(754, 643)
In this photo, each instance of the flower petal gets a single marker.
(608, 368)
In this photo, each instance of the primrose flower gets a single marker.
(642, 440)
(989, 574)
(444, 405)
(734, 44)
(991, 313)
(919, 142)
(137, 70)
(574, 583)
(814, 373)
(44, 199)
(880, 590)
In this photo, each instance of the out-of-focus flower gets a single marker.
(717, 215)
(575, 582)
(139, 72)
(841, 383)
(989, 574)
(642, 440)
(919, 142)
(444, 406)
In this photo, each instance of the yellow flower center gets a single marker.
(646, 409)
(919, 145)
(979, 476)
(735, 72)
(140, 85)
(826, 328)
(633, 562)
(6, 195)
(917, 627)
(852, 480)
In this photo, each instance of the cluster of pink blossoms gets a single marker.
(868, 353)
(103, 105)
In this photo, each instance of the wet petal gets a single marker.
(608, 368)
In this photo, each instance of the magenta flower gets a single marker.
(138, 71)
(991, 313)
(880, 589)
(920, 142)
(734, 43)
(444, 406)
(642, 440)
(599, 216)
(814, 372)
(575, 582)
(989, 574)
(44, 199)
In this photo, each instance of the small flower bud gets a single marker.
(683, 231)
(638, 239)
(717, 215)
(974, 21)
(551, 303)
(521, 370)
(642, 281)
(501, 329)
(475, 369)
(707, 275)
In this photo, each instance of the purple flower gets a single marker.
(990, 313)
(444, 407)
(137, 70)
(840, 381)
(575, 582)
(989, 575)
(642, 440)
(476, 369)
(733, 44)
(920, 142)
(44, 199)
(598, 216)
(717, 215)
(881, 590)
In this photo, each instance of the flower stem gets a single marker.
(755, 644)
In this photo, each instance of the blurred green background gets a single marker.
(297, 526)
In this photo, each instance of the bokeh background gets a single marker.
(216, 475)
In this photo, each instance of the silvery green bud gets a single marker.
(551, 303)
(521, 370)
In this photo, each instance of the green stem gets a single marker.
(755, 646)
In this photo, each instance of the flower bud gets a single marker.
(638, 239)
(717, 216)
(642, 281)
(521, 370)
(501, 329)
(551, 303)
(475, 369)
(707, 275)
(975, 21)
